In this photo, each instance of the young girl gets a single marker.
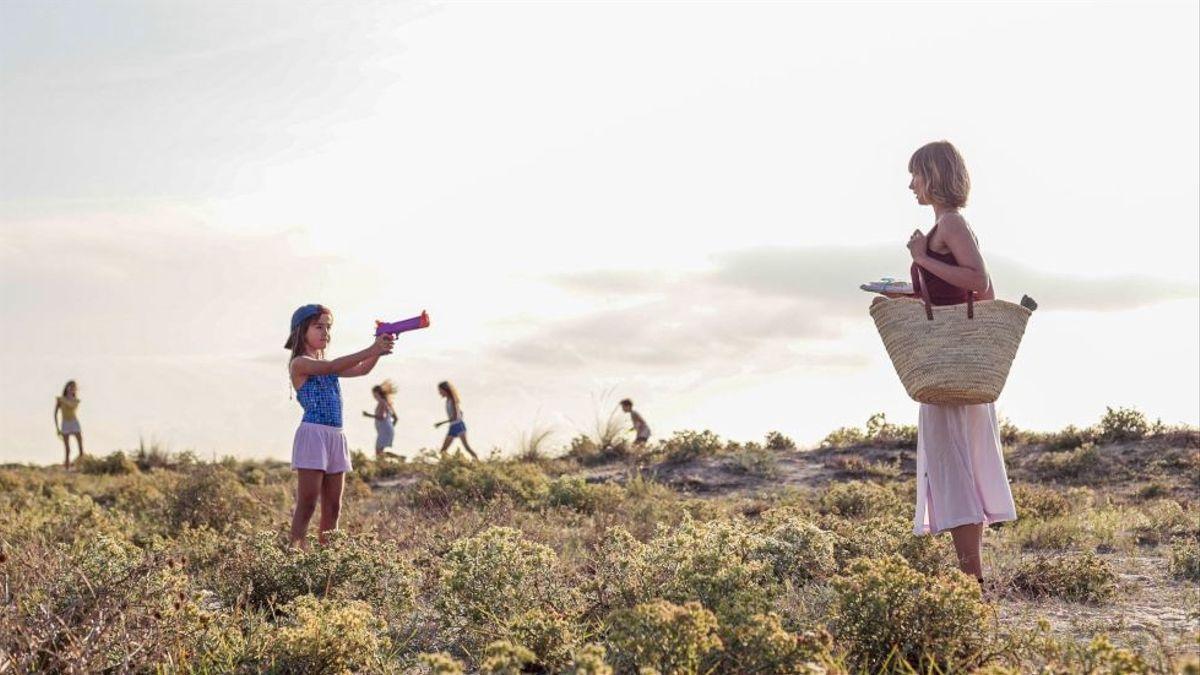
(319, 452)
(384, 416)
(639, 424)
(458, 428)
(961, 482)
(68, 403)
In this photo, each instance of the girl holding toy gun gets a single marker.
(320, 455)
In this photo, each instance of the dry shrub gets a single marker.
(1184, 560)
(1083, 578)
(266, 572)
(496, 584)
(211, 496)
(761, 645)
(325, 636)
(667, 637)
(891, 617)
(858, 499)
(879, 537)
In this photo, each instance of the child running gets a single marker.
(68, 403)
(454, 414)
(385, 417)
(640, 428)
(319, 452)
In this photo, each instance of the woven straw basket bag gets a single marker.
(951, 355)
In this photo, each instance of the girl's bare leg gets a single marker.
(79, 442)
(468, 447)
(66, 449)
(446, 443)
(308, 489)
(331, 503)
(968, 542)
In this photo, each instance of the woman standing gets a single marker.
(68, 403)
(961, 482)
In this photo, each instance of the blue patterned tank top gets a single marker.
(321, 398)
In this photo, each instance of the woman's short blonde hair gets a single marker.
(944, 171)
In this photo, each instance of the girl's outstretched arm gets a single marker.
(361, 368)
(307, 366)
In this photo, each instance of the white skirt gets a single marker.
(960, 468)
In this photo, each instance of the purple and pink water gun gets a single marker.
(397, 327)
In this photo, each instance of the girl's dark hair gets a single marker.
(295, 341)
(627, 402)
(68, 385)
(449, 389)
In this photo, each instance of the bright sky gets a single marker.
(670, 201)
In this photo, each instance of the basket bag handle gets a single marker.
(929, 303)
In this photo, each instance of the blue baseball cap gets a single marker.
(298, 318)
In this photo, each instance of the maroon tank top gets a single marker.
(941, 292)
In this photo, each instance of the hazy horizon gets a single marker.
(666, 201)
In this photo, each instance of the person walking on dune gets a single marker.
(68, 404)
(454, 417)
(962, 485)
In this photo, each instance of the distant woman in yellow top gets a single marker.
(68, 403)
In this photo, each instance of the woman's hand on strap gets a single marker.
(917, 246)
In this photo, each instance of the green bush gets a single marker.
(573, 492)
(799, 551)
(854, 466)
(844, 437)
(890, 616)
(456, 479)
(115, 464)
(1123, 424)
(684, 446)
(882, 432)
(1069, 438)
(266, 572)
(504, 658)
(723, 564)
(1081, 465)
(669, 638)
(761, 645)
(63, 608)
(1083, 578)
(753, 460)
(618, 574)
(590, 660)
(1093, 658)
(586, 451)
(491, 579)
(1184, 560)
(325, 636)
(210, 496)
(1153, 490)
(858, 499)
(880, 536)
(778, 442)
(1040, 502)
(439, 663)
(1162, 520)
(878, 431)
